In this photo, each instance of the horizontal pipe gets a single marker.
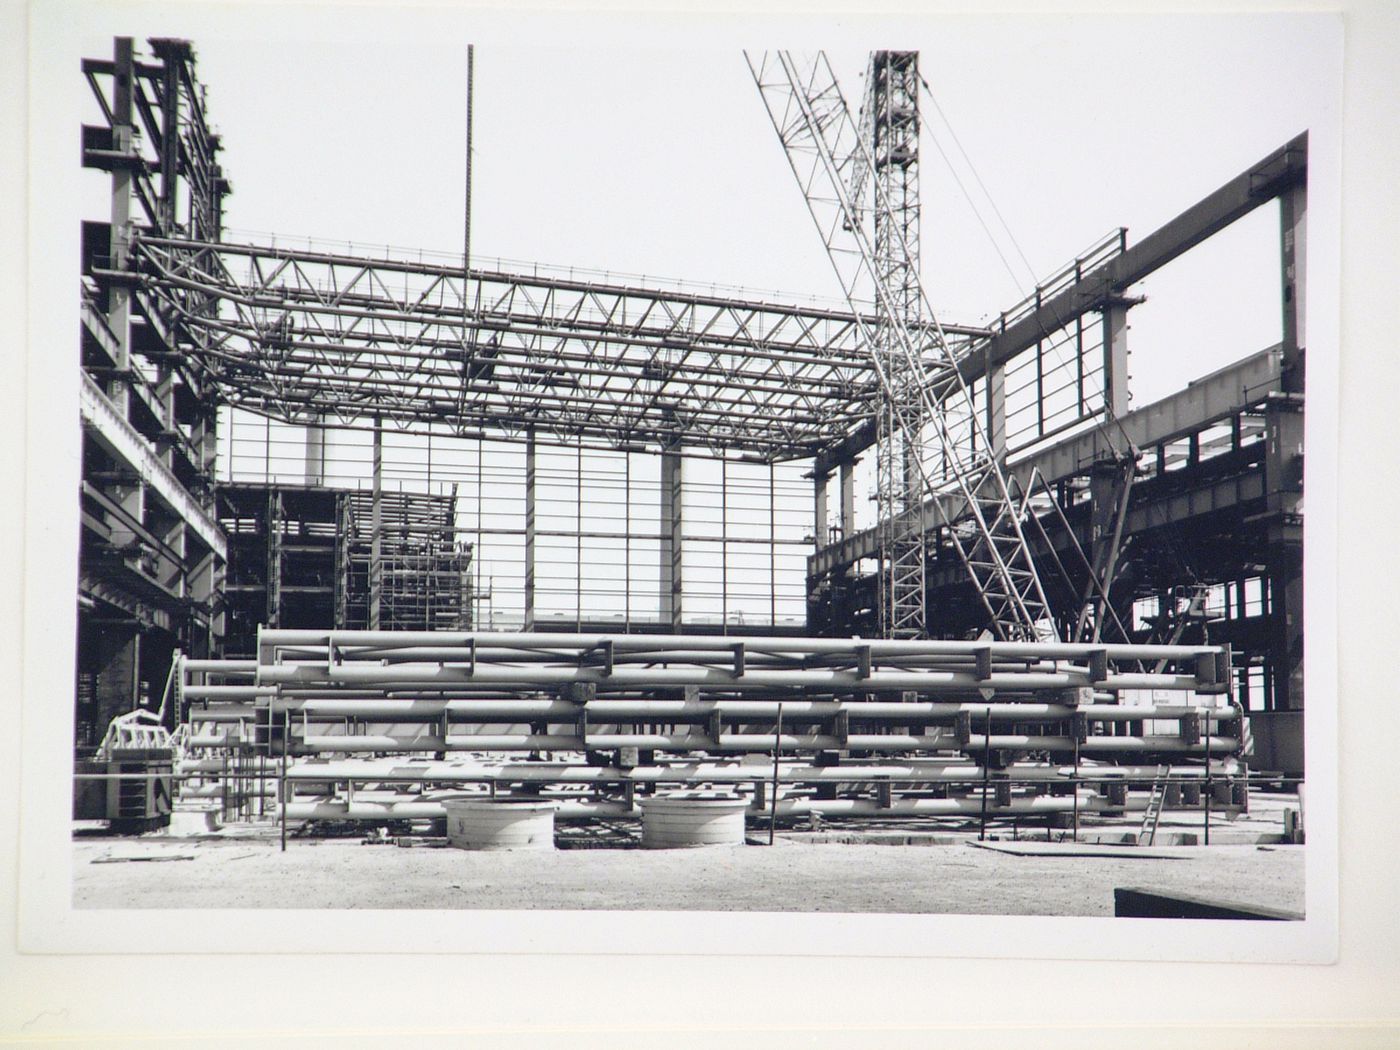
(704, 657)
(227, 692)
(753, 742)
(613, 711)
(286, 637)
(222, 714)
(1039, 806)
(1099, 744)
(916, 772)
(675, 677)
(232, 790)
(372, 810)
(218, 740)
(220, 666)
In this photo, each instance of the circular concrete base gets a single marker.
(679, 821)
(500, 823)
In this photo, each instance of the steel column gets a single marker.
(530, 529)
(672, 537)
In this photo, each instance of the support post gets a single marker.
(1115, 358)
(530, 530)
(1205, 795)
(996, 412)
(848, 499)
(315, 470)
(119, 242)
(821, 533)
(772, 549)
(777, 753)
(986, 776)
(672, 536)
(1293, 231)
(376, 518)
(1283, 464)
(272, 525)
(282, 798)
(1075, 783)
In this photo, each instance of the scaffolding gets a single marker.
(425, 581)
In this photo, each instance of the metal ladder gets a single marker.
(1155, 803)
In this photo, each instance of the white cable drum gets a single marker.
(500, 824)
(684, 819)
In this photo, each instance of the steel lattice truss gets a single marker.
(310, 336)
(890, 127)
(820, 141)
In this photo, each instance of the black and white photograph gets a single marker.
(566, 482)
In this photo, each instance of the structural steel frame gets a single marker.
(321, 338)
(360, 725)
(308, 336)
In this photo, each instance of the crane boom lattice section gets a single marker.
(941, 427)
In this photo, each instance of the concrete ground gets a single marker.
(242, 867)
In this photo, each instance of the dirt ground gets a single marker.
(244, 868)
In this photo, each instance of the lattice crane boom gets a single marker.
(822, 144)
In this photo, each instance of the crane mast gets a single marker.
(932, 444)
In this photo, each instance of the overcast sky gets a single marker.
(642, 146)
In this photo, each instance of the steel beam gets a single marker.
(1262, 182)
(1232, 389)
(1279, 175)
(123, 441)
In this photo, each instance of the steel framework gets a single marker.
(891, 113)
(871, 729)
(309, 336)
(322, 337)
(151, 553)
(821, 143)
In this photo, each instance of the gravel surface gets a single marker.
(242, 869)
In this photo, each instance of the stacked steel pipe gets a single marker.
(381, 725)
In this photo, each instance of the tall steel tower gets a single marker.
(890, 122)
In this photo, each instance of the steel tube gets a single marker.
(223, 714)
(369, 809)
(228, 667)
(664, 711)
(227, 692)
(1040, 806)
(283, 637)
(1097, 745)
(754, 742)
(404, 675)
(951, 771)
